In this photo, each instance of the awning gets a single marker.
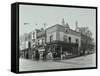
(41, 50)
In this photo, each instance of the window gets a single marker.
(38, 42)
(51, 38)
(66, 29)
(69, 39)
(77, 41)
(29, 37)
(33, 35)
(33, 40)
(65, 38)
(42, 41)
(29, 45)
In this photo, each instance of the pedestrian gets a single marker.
(44, 55)
(54, 55)
(37, 55)
(50, 56)
(26, 55)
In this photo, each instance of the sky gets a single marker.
(36, 16)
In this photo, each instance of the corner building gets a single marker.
(61, 39)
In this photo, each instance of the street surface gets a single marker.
(78, 62)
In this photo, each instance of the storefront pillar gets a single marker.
(61, 52)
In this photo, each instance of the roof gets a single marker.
(62, 28)
(59, 28)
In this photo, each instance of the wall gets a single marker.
(53, 34)
(73, 37)
(51, 31)
(32, 38)
(58, 34)
(40, 40)
(23, 42)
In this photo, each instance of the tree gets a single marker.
(86, 39)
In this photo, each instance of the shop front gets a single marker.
(63, 50)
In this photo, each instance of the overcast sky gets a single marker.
(39, 15)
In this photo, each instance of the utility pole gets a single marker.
(76, 25)
(45, 36)
(45, 31)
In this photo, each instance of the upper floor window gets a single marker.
(51, 38)
(43, 41)
(38, 42)
(29, 37)
(29, 45)
(77, 41)
(69, 39)
(65, 38)
(33, 35)
(33, 40)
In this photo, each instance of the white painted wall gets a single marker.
(22, 45)
(54, 36)
(61, 35)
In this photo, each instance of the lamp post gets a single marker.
(45, 36)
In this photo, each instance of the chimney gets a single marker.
(42, 29)
(63, 22)
(76, 25)
(67, 25)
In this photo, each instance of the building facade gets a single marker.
(60, 40)
(27, 42)
(63, 40)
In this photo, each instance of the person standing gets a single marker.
(44, 55)
(37, 55)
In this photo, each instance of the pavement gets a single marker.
(78, 62)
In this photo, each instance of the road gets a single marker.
(79, 62)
